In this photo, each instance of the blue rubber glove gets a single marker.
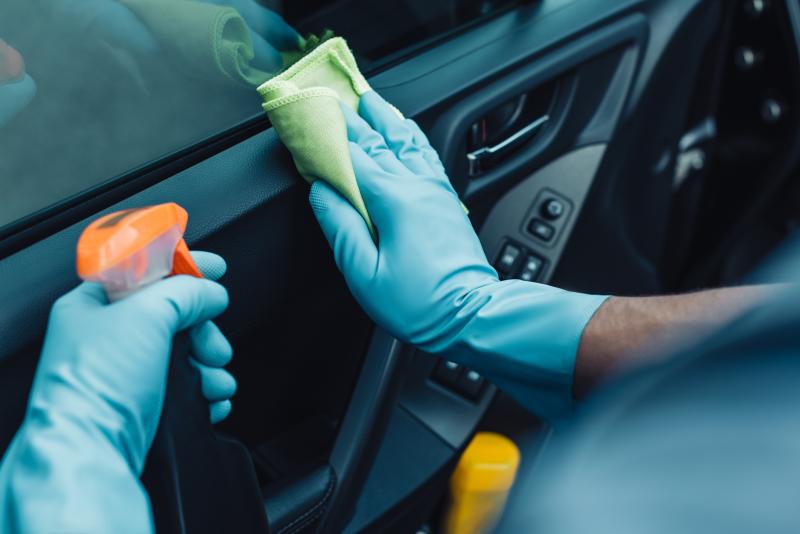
(96, 400)
(210, 349)
(428, 281)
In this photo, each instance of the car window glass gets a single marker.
(92, 89)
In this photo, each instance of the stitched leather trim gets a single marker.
(310, 515)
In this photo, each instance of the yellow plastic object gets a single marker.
(480, 484)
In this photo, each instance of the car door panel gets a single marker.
(345, 424)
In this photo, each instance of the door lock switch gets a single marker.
(447, 373)
(541, 230)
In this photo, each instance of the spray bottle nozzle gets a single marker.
(129, 249)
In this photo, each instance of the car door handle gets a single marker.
(481, 158)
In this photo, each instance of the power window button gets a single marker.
(531, 269)
(447, 373)
(508, 258)
(470, 384)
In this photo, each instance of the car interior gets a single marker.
(627, 147)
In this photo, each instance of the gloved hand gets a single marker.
(428, 282)
(96, 401)
(210, 349)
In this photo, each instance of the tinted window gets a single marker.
(92, 89)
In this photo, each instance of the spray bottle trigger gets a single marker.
(183, 263)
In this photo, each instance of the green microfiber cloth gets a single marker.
(205, 39)
(303, 106)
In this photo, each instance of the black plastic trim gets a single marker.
(362, 429)
(528, 34)
(28, 230)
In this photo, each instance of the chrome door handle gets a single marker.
(479, 158)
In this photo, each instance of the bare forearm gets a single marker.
(627, 329)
